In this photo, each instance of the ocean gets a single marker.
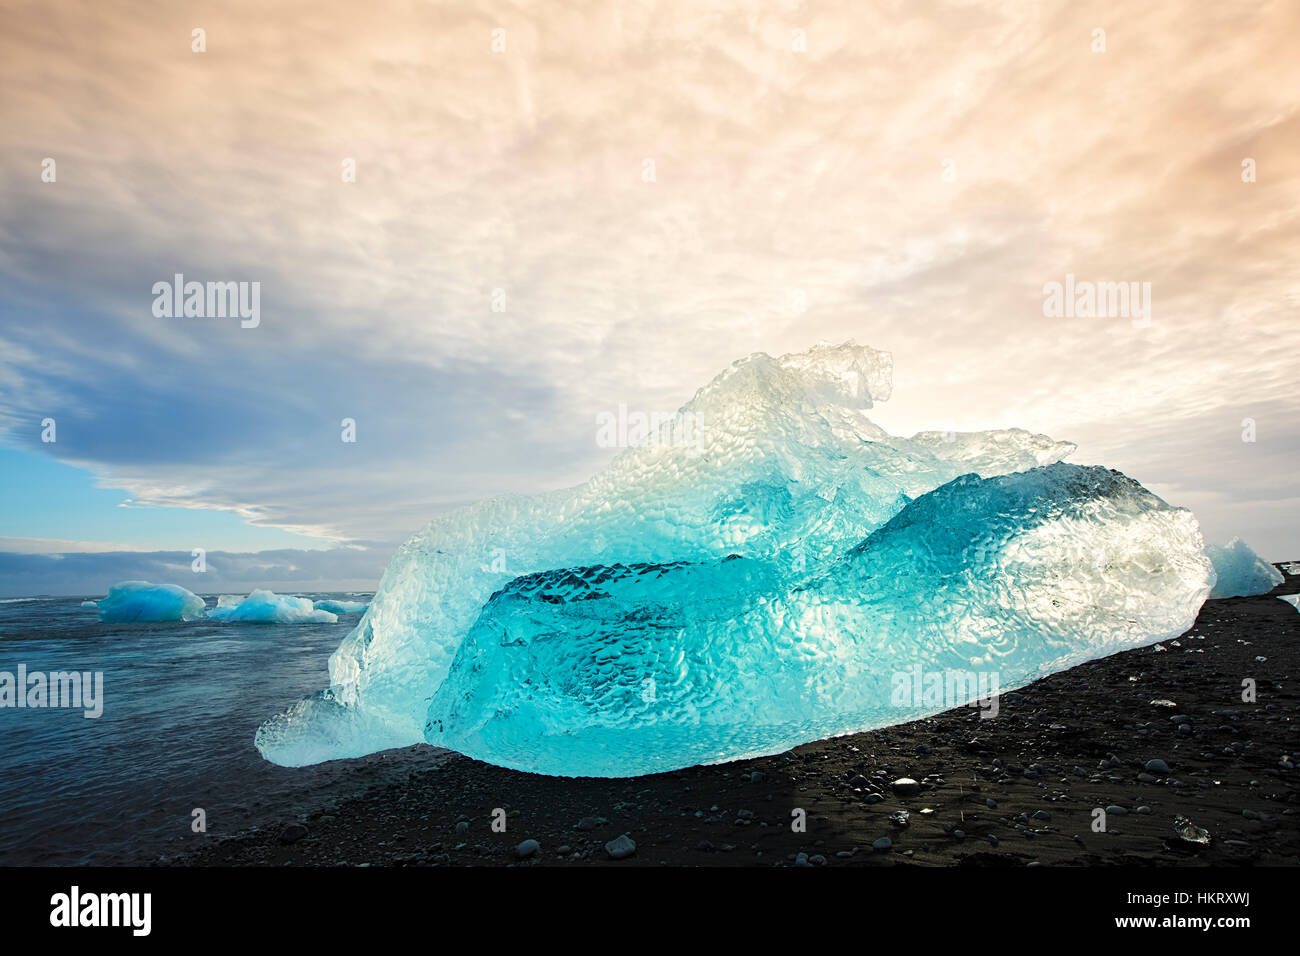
(181, 702)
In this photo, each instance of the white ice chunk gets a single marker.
(266, 607)
(1241, 572)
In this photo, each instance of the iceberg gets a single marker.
(623, 670)
(142, 601)
(760, 584)
(342, 607)
(267, 607)
(1292, 599)
(1240, 571)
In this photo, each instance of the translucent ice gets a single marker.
(751, 587)
(1241, 572)
(1292, 599)
(267, 607)
(342, 607)
(142, 601)
(632, 669)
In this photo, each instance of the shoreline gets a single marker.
(1016, 789)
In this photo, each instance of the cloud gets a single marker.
(55, 546)
(776, 173)
(340, 569)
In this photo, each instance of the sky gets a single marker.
(559, 209)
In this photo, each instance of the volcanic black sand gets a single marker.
(1016, 789)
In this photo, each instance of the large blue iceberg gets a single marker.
(142, 601)
(762, 584)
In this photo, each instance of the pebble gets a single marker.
(292, 833)
(1157, 766)
(527, 848)
(620, 847)
(883, 844)
(906, 787)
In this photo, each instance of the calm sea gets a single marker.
(181, 703)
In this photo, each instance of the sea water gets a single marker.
(180, 703)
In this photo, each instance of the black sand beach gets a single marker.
(1010, 791)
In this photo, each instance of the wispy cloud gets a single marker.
(776, 174)
(91, 574)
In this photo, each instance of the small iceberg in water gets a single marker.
(342, 607)
(142, 601)
(266, 607)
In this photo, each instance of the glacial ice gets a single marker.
(342, 607)
(266, 607)
(1241, 572)
(1292, 599)
(142, 601)
(618, 670)
(755, 587)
